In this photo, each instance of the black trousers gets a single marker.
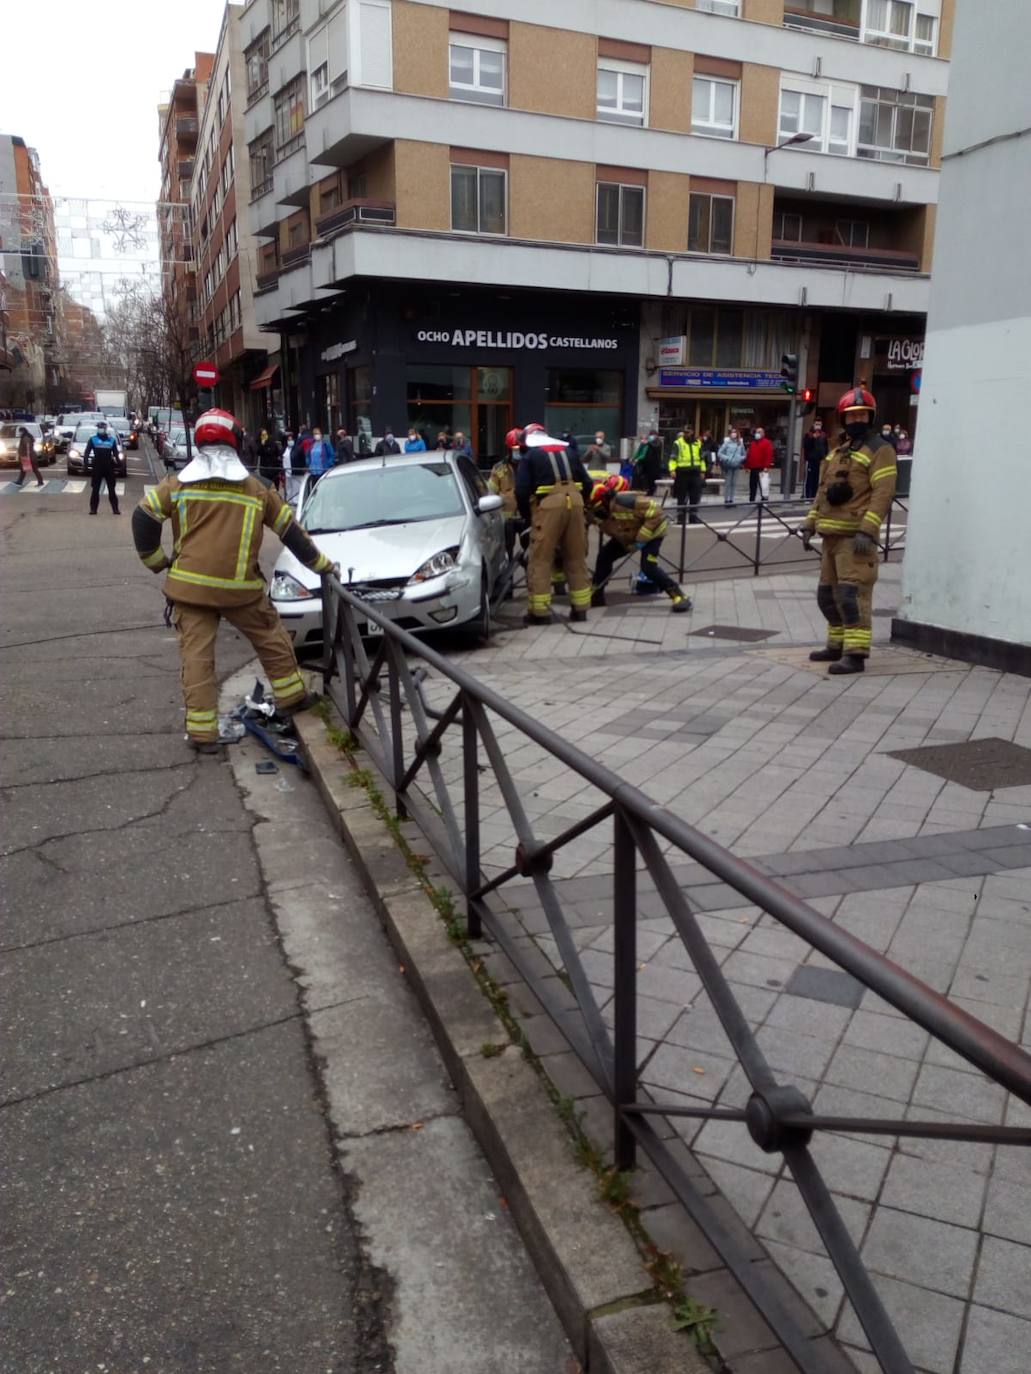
(612, 550)
(753, 481)
(98, 479)
(688, 485)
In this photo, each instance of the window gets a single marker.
(731, 7)
(824, 111)
(357, 186)
(256, 58)
(297, 233)
(219, 270)
(330, 197)
(227, 175)
(478, 196)
(235, 312)
(477, 69)
(853, 233)
(622, 92)
(894, 126)
(327, 59)
(583, 401)
(232, 241)
(714, 107)
(710, 224)
(896, 24)
(787, 227)
(223, 100)
(261, 164)
(289, 116)
(285, 17)
(621, 215)
(216, 203)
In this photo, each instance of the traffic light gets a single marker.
(789, 373)
(808, 396)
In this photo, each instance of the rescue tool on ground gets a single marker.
(218, 512)
(857, 484)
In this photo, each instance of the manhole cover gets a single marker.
(737, 632)
(980, 764)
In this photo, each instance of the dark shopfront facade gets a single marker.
(474, 360)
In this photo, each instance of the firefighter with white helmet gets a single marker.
(551, 488)
(218, 512)
(857, 484)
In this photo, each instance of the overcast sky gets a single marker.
(81, 84)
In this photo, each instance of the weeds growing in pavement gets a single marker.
(490, 1050)
(699, 1321)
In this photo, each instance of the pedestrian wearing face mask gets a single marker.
(890, 436)
(758, 461)
(320, 456)
(648, 464)
(857, 484)
(731, 455)
(814, 451)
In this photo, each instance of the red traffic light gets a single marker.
(808, 395)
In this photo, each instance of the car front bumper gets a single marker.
(434, 605)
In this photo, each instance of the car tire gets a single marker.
(480, 629)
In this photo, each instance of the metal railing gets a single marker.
(379, 695)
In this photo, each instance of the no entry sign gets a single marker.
(206, 374)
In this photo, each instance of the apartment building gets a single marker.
(178, 128)
(224, 247)
(598, 216)
(30, 352)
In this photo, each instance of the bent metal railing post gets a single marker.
(407, 741)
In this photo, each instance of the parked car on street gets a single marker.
(10, 433)
(422, 540)
(171, 448)
(78, 465)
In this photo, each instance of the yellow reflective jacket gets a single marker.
(632, 518)
(870, 471)
(686, 455)
(216, 533)
(502, 483)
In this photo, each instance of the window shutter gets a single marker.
(374, 36)
(336, 31)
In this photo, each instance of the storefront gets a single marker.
(895, 362)
(713, 401)
(471, 361)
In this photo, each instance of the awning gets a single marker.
(266, 378)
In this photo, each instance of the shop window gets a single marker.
(477, 69)
(714, 107)
(898, 24)
(443, 400)
(787, 227)
(582, 401)
(478, 196)
(894, 126)
(359, 405)
(256, 58)
(289, 117)
(620, 215)
(821, 110)
(710, 224)
(622, 92)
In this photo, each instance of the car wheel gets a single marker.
(481, 627)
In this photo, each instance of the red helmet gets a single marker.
(858, 398)
(217, 427)
(604, 490)
(513, 438)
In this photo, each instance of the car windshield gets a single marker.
(14, 431)
(84, 432)
(360, 498)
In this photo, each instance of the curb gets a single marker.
(588, 1263)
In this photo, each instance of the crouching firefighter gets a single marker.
(631, 520)
(857, 484)
(218, 512)
(551, 488)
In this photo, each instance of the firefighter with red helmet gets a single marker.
(631, 520)
(218, 512)
(551, 487)
(857, 484)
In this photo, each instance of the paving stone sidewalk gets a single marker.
(757, 748)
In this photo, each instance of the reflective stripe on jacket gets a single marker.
(870, 471)
(632, 518)
(502, 483)
(686, 454)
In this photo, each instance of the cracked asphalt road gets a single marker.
(170, 1196)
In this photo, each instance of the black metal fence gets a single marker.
(377, 691)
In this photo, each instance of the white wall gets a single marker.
(968, 559)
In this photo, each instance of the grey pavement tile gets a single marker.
(1015, 856)
(776, 942)
(790, 1053)
(825, 985)
(1004, 1277)
(833, 1100)
(994, 837)
(568, 1074)
(930, 1323)
(934, 1190)
(967, 1094)
(759, 969)
(786, 1219)
(731, 1142)
(654, 1017)
(849, 1166)
(692, 1072)
(672, 1231)
(699, 1028)
(1007, 1211)
(743, 1332)
(996, 1343)
(873, 1071)
(745, 1189)
(668, 984)
(958, 1154)
(755, 1002)
(921, 1250)
(815, 1278)
(809, 1017)
(886, 1034)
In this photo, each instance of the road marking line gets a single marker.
(74, 488)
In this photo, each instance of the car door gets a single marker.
(489, 524)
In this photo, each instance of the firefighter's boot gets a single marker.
(850, 663)
(681, 602)
(825, 656)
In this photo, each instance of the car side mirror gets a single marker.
(489, 503)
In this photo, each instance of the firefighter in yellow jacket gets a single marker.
(631, 520)
(551, 487)
(857, 483)
(218, 512)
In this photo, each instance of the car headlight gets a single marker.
(436, 566)
(3, 447)
(285, 587)
(74, 453)
(37, 447)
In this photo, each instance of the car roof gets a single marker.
(390, 460)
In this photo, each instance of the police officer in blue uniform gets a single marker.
(103, 448)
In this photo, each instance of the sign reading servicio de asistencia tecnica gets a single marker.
(512, 340)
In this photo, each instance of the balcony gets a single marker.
(186, 165)
(287, 31)
(849, 234)
(266, 281)
(844, 255)
(293, 257)
(186, 128)
(332, 138)
(355, 212)
(837, 19)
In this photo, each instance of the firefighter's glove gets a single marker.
(863, 545)
(641, 544)
(807, 532)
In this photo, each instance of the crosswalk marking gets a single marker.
(74, 487)
(55, 486)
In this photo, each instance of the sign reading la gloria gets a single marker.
(905, 355)
(511, 340)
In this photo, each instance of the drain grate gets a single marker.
(740, 633)
(980, 764)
